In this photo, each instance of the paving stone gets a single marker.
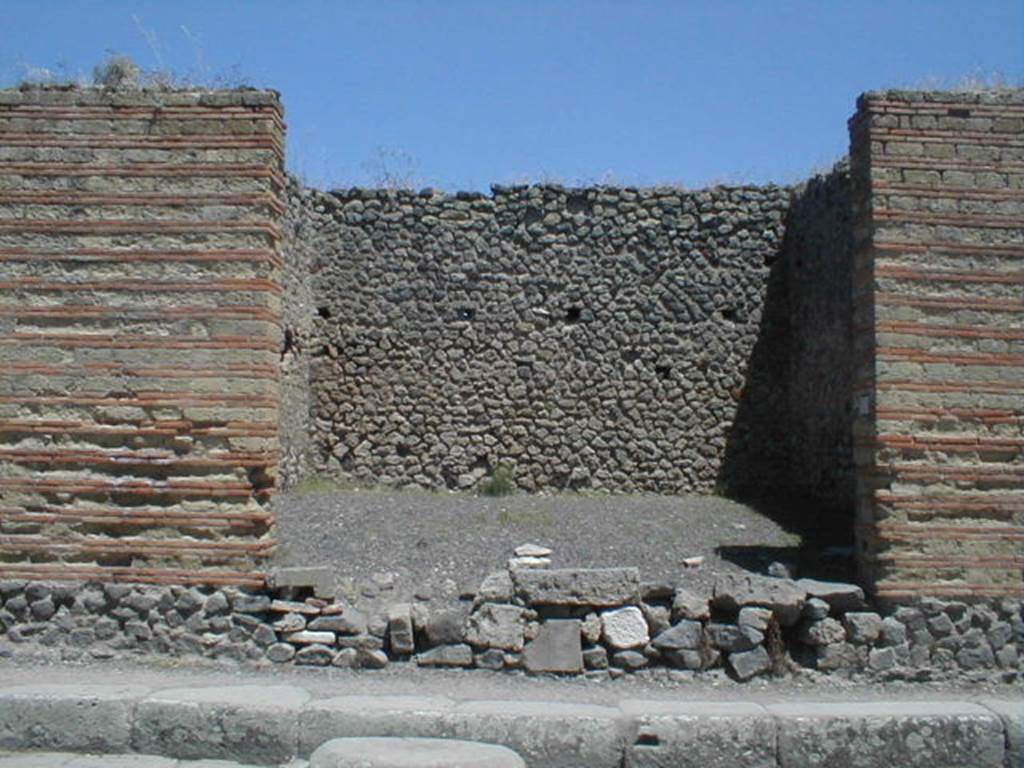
(556, 648)
(385, 752)
(595, 587)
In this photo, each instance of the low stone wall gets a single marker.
(530, 618)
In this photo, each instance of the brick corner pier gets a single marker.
(939, 334)
(139, 333)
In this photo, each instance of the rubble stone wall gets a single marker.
(585, 338)
(140, 336)
(939, 339)
(600, 622)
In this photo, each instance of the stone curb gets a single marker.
(76, 760)
(272, 724)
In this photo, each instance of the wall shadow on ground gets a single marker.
(789, 451)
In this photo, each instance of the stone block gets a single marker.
(782, 596)
(319, 579)
(458, 655)
(351, 622)
(822, 632)
(246, 723)
(687, 605)
(494, 625)
(396, 752)
(699, 735)
(686, 635)
(840, 596)
(595, 587)
(862, 627)
(548, 733)
(624, 628)
(373, 715)
(1011, 713)
(918, 734)
(400, 629)
(556, 648)
(75, 718)
(446, 627)
(747, 664)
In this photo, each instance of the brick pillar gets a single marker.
(139, 333)
(939, 335)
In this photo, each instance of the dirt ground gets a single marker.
(410, 543)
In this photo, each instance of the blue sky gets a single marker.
(461, 93)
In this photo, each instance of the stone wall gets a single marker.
(939, 339)
(600, 622)
(585, 338)
(140, 333)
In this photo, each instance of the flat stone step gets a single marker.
(73, 760)
(379, 752)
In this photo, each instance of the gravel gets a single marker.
(441, 544)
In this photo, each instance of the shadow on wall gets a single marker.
(789, 452)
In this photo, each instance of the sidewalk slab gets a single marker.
(412, 753)
(247, 723)
(546, 733)
(354, 716)
(698, 734)
(917, 734)
(1012, 715)
(74, 718)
